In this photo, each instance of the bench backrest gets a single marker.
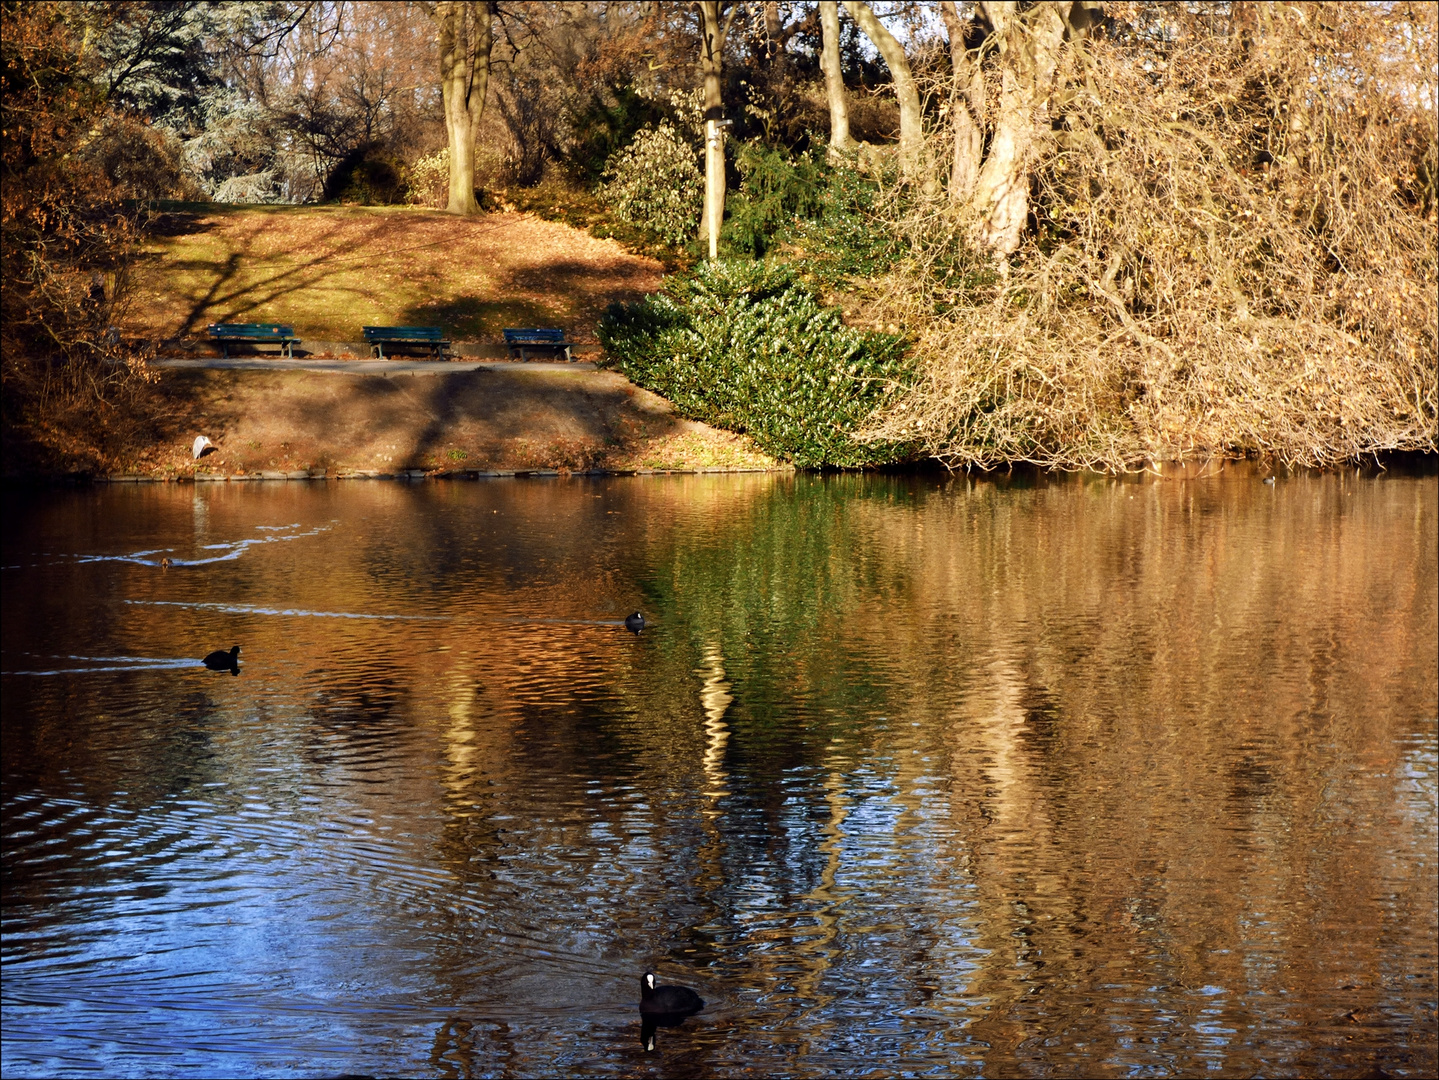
(533, 336)
(404, 333)
(251, 330)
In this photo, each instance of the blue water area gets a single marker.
(905, 775)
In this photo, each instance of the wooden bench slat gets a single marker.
(254, 333)
(432, 337)
(398, 333)
(536, 337)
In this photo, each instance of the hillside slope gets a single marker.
(329, 270)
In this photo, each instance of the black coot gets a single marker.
(220, 660)
(667, 1000)
(635, 622)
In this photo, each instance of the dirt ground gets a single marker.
(330, 270)
(493, 418)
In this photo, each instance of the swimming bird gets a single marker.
(635, 622)
(165, 563)
(202, 445)
(220, 660)
(667, 1000)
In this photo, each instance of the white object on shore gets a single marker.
(202, 443)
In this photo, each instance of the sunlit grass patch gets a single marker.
(330, 270)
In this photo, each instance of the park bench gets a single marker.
(534, 338)
(254, 334)
(430, 338)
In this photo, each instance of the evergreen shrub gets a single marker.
(654, 184)
(776, 189)
(844, 236)
(369, 175)
(827, 212)
(747, 346)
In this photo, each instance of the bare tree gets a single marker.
(465, 38)
(966, 107)
(839, 137)
(911, 127)
(988, 178)
(1028, 43)
(713, 31)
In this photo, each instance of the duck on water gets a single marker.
(220, 660)
(667, 1000)
(664, 1006)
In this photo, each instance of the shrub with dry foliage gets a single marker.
(1231, 250)
(66, 233)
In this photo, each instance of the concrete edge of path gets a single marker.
(409, 474)
(365, 367)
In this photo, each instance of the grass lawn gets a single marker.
(330, 270)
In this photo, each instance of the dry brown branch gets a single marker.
(1232, 251)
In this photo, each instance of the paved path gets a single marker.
(368, 367)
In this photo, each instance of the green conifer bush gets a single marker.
(747, 346)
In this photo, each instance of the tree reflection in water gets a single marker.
(907, 774)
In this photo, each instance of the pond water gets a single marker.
(905, 776)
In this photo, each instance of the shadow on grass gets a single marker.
(422, 417)
(470, 318)
(581, 279)
(239, 284)
(259, 264)
(578, 289)
(171, 223)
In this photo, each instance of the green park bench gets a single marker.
(429, 338)
(254, 334)
(536, 338)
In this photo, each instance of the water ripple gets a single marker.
(905, 777)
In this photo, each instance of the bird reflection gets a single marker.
(649, 1023)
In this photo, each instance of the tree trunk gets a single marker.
(465, 37)
(1029, 47)
(773, 28)
(712, 40)
(911, 128)
(839, 139)
(966, 108)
